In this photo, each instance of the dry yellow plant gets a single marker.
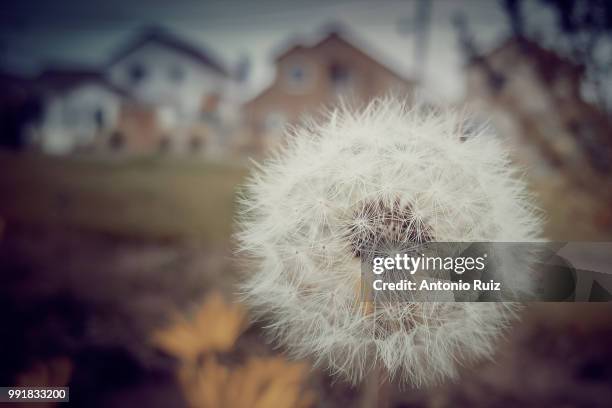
(214, 327)
(259, 382)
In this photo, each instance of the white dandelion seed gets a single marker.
(389, 173)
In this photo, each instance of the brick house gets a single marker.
(309, 77)
(535, 96)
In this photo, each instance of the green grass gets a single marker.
(152, 197)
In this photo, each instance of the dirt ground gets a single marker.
(60, 299)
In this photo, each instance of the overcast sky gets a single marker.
(33, 33)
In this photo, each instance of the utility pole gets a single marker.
(421, 38)
(419, 26)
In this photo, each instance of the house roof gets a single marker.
(164, 37)
(11, 76)
(13, 79)
(336, 31)
(548, 63)
(62, 80)
(330, 32)
(16, 89)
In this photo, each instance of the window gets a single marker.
(298, 76)
(195, 144)
(116, 141)
(339, 75)
(137, 73)
(99, 118)
(164, 144)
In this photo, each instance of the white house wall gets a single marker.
(71, 119)
(158, 87)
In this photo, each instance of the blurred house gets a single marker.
(158, 93)
(535, 97)
(186, 87)
(309, 77)
(79, 106)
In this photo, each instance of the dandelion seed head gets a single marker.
(360, 182)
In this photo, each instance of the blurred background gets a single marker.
(126, 129)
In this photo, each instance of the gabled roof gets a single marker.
(164, 37)
(62, 80)
(336, 31)
(548, 63)
(16, 89)
(13, 79)
(330, 32)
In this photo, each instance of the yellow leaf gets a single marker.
(214, 327)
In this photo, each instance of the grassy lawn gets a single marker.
(153, 198)
(192, 198)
